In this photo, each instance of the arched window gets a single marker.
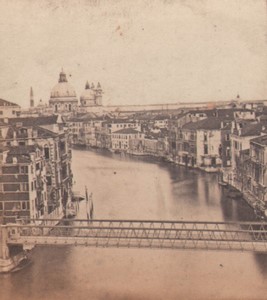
(46, 152)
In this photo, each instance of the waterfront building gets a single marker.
(120, 140)
(76, 130)
(52, 166)
(200, 144)
(256, 179)
(241, 133)
(63, 96)
(22, 183)
(9, 109)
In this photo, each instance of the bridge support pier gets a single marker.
(6, 262)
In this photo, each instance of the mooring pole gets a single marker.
(4, 250)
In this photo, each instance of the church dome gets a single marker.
(88, 93)
(63, 89)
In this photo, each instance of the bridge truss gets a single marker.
(233, 236)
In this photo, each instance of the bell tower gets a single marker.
(31, 98)
(98, 94)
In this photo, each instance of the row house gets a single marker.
(93, 131)
(120, 140)
(152, 144)
(201, 144)
(48, 134)
(242, 132)
(256, 184)
(76, 130)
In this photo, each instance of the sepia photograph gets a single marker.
(133, 149)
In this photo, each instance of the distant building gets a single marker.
(120, 140)
(9, 109)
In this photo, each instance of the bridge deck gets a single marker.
(144, 234)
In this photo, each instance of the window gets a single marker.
(1, 112)
(227, 137)
(46, 152)
(236, 145)
(37, 166)
(24, 207)
(205, 137)
(9, 187)
(1, 206)
(24, 186)
(228, 151)
(24, 169)
(205, 149)
(49, 180)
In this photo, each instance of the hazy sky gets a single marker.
(142, 51)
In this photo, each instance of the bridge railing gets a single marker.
(144, 230)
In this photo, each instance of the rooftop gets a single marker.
(35, 121)
(262, 140)
(211, 123)
(7, 103)
(127, 131)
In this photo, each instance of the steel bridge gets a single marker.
(232, 236)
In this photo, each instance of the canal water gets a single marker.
(126, 187)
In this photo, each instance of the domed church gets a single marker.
(63, 96)
(91, 96)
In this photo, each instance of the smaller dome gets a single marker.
(88, 94)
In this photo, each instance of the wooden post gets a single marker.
(4, 250)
